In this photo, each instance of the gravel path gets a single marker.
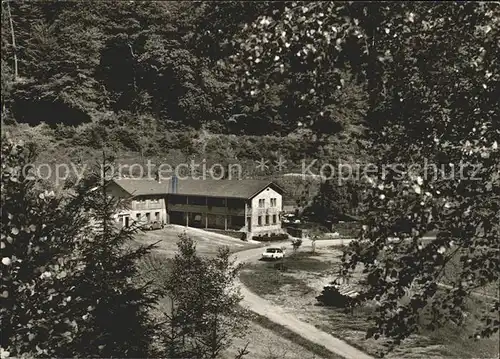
(279, 316)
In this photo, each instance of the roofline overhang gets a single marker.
(270, 183)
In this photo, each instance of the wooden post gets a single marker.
(225, 216)
(187, 213)
(206, 212)
(163, 206)
(13, 39)
(245, 214)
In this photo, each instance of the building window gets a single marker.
(141, 204)
(267, 219)
(138, 216)
(259, 220)
(157, 216)
(274, 219)
(148, 217)
(262, 203)
(273, 202)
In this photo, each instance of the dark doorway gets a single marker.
(177, 218)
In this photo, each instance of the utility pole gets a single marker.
(13, 37)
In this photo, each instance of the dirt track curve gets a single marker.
(276, 314)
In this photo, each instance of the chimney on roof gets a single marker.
(157, 176)
(174, 183)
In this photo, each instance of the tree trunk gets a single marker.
(133, 68)
(13, 37)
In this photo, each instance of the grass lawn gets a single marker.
(452, 271)
(264, 279)
(446, 342)
(295, 291)
(315, 349)
(266, 340)
(207, 243)
(156, 264)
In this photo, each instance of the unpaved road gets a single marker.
(278, 315)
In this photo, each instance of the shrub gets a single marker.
(234, 234)
(296, 243)
(331, 297)
(270, 238)
(62, 132)
(347, 229)
(280, 266)
(205, 315)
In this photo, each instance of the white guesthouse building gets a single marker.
(250, 206)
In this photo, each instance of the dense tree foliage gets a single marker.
(70, 278)
(410, 86)
(431, 73)
(68, 283)
(443, 117)
(84, 63)
(336, 201)
(78, 58)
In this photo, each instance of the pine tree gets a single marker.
(205, 317)
(68, 282)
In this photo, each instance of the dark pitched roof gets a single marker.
(223, 188)
(142, 186)
(209, 187)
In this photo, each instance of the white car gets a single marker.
(273, 253)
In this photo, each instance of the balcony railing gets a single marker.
(263, 211)
(206, 209)
(145, 205)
